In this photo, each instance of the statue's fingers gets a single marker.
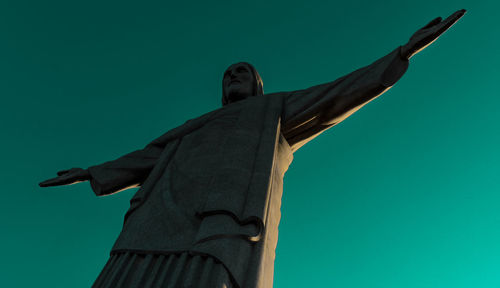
(455, 17)
(62, 172)
(61, 180)
(452, 19)
(447, 23)
(432, 23)
(50, 182)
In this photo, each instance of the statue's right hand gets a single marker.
(67, 177)
(429, 33)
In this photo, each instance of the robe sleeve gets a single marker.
(309, 112)
(128, 171)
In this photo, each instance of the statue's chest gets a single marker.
(202, 150)
(227, 150)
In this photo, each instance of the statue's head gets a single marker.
(240, 81)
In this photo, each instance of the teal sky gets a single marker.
(404, 193)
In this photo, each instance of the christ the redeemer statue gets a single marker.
(208, 209)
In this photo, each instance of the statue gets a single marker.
(208, 209)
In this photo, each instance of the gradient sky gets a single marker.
(404, 193)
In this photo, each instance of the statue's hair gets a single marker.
(259, 86)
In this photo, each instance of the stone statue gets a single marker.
(208, 209)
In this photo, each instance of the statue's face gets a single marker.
(238, 82)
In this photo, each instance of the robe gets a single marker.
(212, 187)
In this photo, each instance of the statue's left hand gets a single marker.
(429, 33)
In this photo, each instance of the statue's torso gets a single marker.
(233, 163)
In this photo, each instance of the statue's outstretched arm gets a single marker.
(110, 177)
(311, 111)
(130, 170)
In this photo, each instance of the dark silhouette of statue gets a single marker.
(208, 209)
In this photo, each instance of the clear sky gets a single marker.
(404, 193)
